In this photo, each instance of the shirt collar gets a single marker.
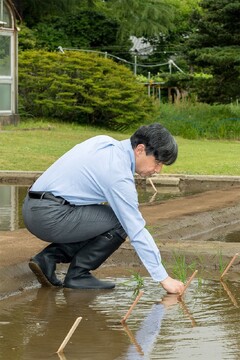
(126, 144)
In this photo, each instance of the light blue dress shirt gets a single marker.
(99, 170)
(147, 334)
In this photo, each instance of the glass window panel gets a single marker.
(5, 195)
(5, 97)
(5, 16)
(5, 207)
(5, 59)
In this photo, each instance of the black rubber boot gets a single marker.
(90, 257)
(43, 265)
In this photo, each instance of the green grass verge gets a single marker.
(33, 146)
(201, 121)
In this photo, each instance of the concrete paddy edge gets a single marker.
(28, 177)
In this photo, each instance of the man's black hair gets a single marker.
(158, 142)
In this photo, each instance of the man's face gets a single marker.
(146, 165)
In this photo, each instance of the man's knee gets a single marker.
(120, 232)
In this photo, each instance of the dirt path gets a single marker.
(207, 201)
(202, 216)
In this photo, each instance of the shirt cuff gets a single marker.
(159, 274)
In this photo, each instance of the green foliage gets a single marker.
(136, 282)
(83, 29)
(139, 282)
(218, 24)
(215, 49)
(199, 120)
(209, 43)
(33, 11)
(141, 18)
(169, 43)
(83, 88)
(221, 263)
(180, 267)
(223, 64)
(26, 38)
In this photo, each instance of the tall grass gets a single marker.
(201, 121)
(180, 266)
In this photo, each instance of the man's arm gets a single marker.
(122, 197)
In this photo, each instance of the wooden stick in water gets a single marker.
(186, 311)
(231, 296)
(229, 265)
(61, 356)
(188, 282)
(132, 338)
(67, 338)
(153, 186)
(132, 307)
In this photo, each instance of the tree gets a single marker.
(140, 17)
(33, 11)
(171, 43)
(85, 29)
(215, 49)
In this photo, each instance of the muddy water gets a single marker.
(232, 237)
(205, 325)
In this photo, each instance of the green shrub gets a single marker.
(83, 88)
(26, 37)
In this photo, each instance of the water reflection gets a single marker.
(148, 331)
(230, 294)
(38, 325)
(232, 237)
(205, 326)
(11, 199)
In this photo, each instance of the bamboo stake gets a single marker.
(231, 296)
(153, 186)
(229, 265)
(153, 197)
(67, 338)
(61, 356)
(188, 282)
(187, 312)
(132, 339)
(132, 307)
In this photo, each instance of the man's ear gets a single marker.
(140, 148)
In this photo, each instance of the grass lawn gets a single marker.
(33, 146)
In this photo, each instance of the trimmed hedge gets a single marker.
(83, 88)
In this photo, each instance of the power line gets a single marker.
(170, 62)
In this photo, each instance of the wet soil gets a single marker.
(184, 225)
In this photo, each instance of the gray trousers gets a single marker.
(57, 223)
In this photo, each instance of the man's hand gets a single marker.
(172, 286)
(170, 300)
